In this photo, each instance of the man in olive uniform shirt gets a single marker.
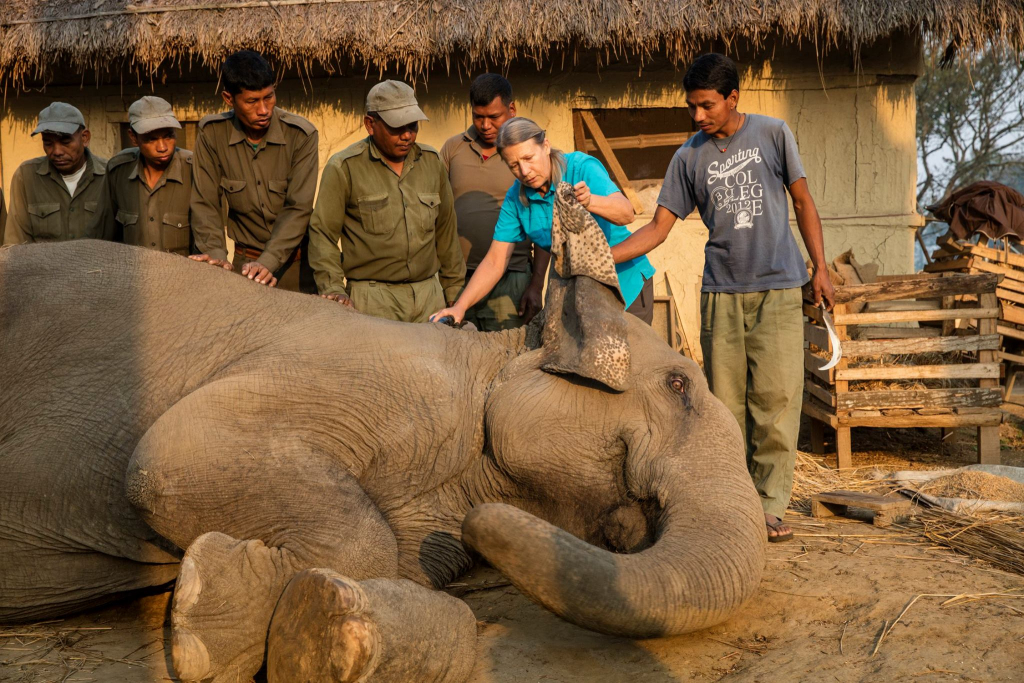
(59, 196)
(389, 201)
(264, 161)
(149, 185)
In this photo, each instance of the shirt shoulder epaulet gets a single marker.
(428, 148)
(296, 121)
(186, 155)
(353, 150)
(123, 157)
(211, 118)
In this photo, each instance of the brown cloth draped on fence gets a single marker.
(985, 207)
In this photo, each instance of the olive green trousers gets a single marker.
(499, 310)
(753, 358)
(407, 302)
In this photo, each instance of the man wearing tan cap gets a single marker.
(263, 161)
(59, 196)
(149, 186)
(389, 202)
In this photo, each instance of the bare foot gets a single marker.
(777, 529)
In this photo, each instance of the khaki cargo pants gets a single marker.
(753, 358)
(408, 302)
(499, 310)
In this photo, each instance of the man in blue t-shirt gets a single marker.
(736, 172)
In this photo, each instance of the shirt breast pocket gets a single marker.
(174, 232)
(238, 198)
(375, 215)
(129, 223)
(430, 206)
(278, 193)
(45, 220)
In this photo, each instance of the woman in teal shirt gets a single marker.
(526, 213)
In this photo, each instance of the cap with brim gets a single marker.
(395, 102)
(151, 113)
(60, 117)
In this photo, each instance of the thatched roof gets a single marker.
(97, 36)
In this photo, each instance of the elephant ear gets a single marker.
(584, 329)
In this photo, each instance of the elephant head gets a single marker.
(631, 510)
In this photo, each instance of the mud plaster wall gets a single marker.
(855, 131)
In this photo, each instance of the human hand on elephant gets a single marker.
(456, 312)
(205, 258)
(256, 271)
(341, 298)
(532, 301)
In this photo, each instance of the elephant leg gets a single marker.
(328, 628)
(252, 509)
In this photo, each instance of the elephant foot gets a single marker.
(329, 628)
(223, 602)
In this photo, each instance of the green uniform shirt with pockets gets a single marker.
(156, 218)
(269, 190)
(392, 228)
(42, 210)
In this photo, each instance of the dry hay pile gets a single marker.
(995, 537)
(975, 485)
(905, 359)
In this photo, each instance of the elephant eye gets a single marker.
(678, 384)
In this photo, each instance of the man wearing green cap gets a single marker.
(263, 161)
(389, 202)
(59, 196)
(149, 186)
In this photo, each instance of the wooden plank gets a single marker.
(1010, 295)
(1014, 409)
(824, 395)
(814, 313)
(962, 263)
(1008, 331)
(643, 141)
(987, 267)
(1011, 357)
(972, 397)
(1010, 258)
(578, 134)
(812, 363)
(864, 332)
(961, 371)
(910, 316)
(994, 417)
(854, 349)
(818, 336)
(613, 163)
(815, 410)
(916, 286)
(868, 501)
(1011, 314)
(903, 305)
(1012, 285)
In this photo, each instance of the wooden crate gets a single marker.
(964, 310)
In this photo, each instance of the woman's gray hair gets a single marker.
(519, 129)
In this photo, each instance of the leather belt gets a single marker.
(254, 254)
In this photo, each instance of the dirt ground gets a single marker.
(819, 614)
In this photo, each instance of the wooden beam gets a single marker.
(812, 363)
(961, 397)
(853, 349)
(962, 263)
(993, 417)
(1010, 258)
(811, 408)
(818, 336)
(642, 141)
(821, 393)
(613, 163)
(985, 266)
(910, 316)
(1011, 314)
(1011, 332)
(866, 332)
(893, 372)
(578, 134)
(917, 287)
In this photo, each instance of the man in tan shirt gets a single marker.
(388, 200)
(480, 179)
(59, 196)
(149, 186)
(264, 161)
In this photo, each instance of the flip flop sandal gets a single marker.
(780, 538)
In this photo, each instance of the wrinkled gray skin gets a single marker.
(146, 400)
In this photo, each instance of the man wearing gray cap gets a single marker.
(59, 196)
(389, 202)
(149, 186)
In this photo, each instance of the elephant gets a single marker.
(311, 475)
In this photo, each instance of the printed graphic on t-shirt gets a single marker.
(736, 187)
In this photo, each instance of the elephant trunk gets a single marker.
(705, 563)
